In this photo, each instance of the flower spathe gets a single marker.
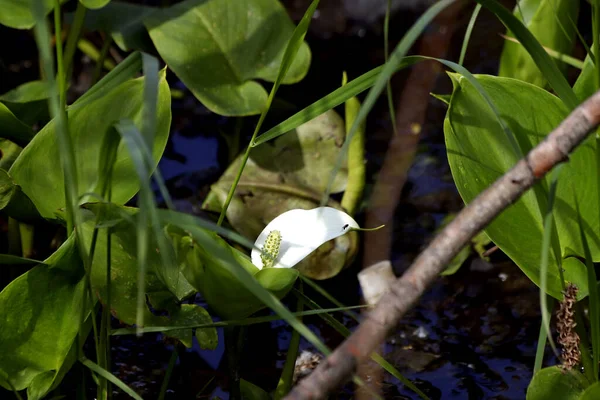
(301, 232)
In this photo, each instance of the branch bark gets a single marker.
(407, 289)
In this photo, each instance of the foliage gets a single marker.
(143, 265)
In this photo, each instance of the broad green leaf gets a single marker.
(12, 128)
(9, 152)
(37, 169)
(123, 284)
(28, 102)
(8, 259)
(479, 152)
(549, 22)
(124, 71)
(591, 393)
(290, 172)
(41, 313)
(556, 384)
(585, 86)
(125, 23)
(17, 13)
(13, 201)
(252, 392)
(218, 47)
(26, 93)
(221, 289)
(110, 377)
(94, 4)
(541, 58)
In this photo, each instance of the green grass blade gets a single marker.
(74, 33)
(594, 302)
(329, 297)
(388, 69)
(565, 58)
(233, 322)
(150, 68)
(333, 99)
(287, 374)
(110, 377)
(342, 330)
(67, 161)
(549, 227)
(147, 216)
(289, 55)
(167, 378)
(543, 61)
(123, 72)
(267, 298)
(386, 50)
(469, 31)
(542, 338)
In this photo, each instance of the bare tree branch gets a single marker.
(407, 289)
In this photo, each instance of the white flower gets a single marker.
(300, 233)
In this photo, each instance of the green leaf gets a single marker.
(479, 152)
(207, 271)
(291, 172)
(12, 128)
(541, 58)
(88, 124)
(217, 48)
(554, 383)
(585, 86)
(26, 93)
(252, 392)
(12, 199)
(124, 284)
(110, 377)
(125, 23)
(8, 259)
(591, 393)
(17, 13)
(549, 22)
(28, 102)
(231, 264)
(41, 311)
(93, 4)
(9, 152)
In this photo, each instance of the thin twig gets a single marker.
(406, 290)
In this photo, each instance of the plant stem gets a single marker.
(26, 232)
(100, 63)
(167, 378)
(74, 33)
(386, 50)
(287, 375)
(356, 157)
(233, 346)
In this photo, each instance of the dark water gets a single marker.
(472, 336)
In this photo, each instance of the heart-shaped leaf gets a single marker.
(38, 170)
(124, 277)
(554, 383)
(479, 152)
(18, 13)
(218, 47)
(41, 312)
